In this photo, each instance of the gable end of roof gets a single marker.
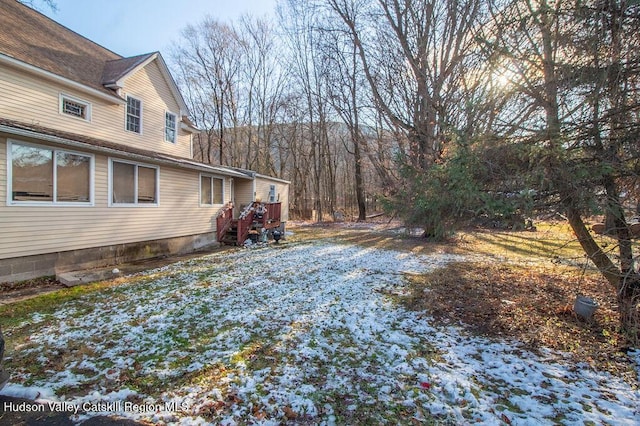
(117, 70)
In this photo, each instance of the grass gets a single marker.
(524, 292)
(538, 269)
(552, 241)
(527, 294)
(15, 313)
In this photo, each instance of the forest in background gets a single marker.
(278, 98)
(442, 112)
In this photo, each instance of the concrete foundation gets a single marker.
(28, 267)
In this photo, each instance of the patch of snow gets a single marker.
(305, 331)
(27, 392)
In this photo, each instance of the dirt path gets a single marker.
(12, 296)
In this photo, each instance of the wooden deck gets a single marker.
(236, 231)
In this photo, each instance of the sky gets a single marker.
(134, 27)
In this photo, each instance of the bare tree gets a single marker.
(413, 55)
(263, 86)
(413, 63)
(208, 63)
(344, 79)
(307, 67)
(34, 4)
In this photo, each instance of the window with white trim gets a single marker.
(133, 184)
(211, 190)
(75, 107)
(134, 115)
(44, 175)
(170, 127)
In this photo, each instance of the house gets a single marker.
(96, 156)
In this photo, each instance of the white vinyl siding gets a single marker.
(243, 193)
(264, 187)
(72, 227)
(41, 175)
(28, 100)
(149, 85)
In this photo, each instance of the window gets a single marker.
(75, 107)
(133, 184)
(134, 115)
(210, 190)
(49, 176)
(73, 177)
(272, 193)
(170, 129)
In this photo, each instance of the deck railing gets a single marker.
(224, 222)
(270, 219)
(274, 211)
(244, 226)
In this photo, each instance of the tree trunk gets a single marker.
(362, 208)
(629, 308)
(626, 285)
(591, 247)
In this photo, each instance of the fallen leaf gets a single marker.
(289, 413)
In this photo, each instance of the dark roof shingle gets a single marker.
(114, 70)
(33, 38)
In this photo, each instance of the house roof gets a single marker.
(33, 39)
(78, 141)
(252, 174)
(117, 69)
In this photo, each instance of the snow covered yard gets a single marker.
(306, 333)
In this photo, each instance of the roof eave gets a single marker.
(188, 128)
(161, 159)
(184, 109)
(248, 173)
(275, 179)
(119, 83)
(23, 66)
